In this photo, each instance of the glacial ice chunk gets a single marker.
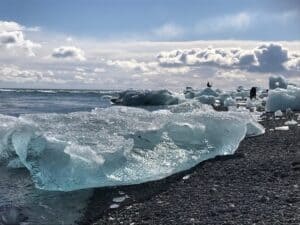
(207, 99)
(118, 145)
(282, 128)
(229, 102)
(277, 82)
(208, 91)
(278, 113)
(282, 99)
(146, 98)
(291, 122)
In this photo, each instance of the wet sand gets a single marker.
(258, 185)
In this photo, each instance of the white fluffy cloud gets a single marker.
(68, 52)
(10, 26)
(12, 37)
(146, 68)
(15, 74)
(265, 58)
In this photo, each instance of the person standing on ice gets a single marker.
(253, 93)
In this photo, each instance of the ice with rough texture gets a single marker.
(278, 113)
(207, 99)
(229, 102)
(146, 98)
(118, 145)
(282, 99)
(208, 91)
(277, 82)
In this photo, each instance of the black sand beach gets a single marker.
(258, 185)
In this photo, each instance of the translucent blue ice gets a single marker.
(118, 145)
(282, 99)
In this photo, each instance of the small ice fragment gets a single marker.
(291, 122)
(282, 128)
(114, 206)
(119, 199)
(271, 129)
(278, 113)
(186, 177)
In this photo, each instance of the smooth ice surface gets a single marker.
(283, 128)
(146, 98)
(119, 145)
(282, 99)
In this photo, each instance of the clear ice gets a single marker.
(118, 145)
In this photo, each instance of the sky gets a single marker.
(147, 44)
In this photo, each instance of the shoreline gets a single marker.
(256, 185)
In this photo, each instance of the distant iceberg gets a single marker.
(145, 98)
(283, 97)
(277, 82)
(119, 145)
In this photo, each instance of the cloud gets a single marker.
(15, 74)
(10, 26)
(234, 22)
(271, 58)
(265, 58)
(68, 52)
(131, 65)
(231, 75)
(12, 37)
(99, 70)
(294, 62)
(168, 30)
(145, 68)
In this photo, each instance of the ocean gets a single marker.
(23, 101)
